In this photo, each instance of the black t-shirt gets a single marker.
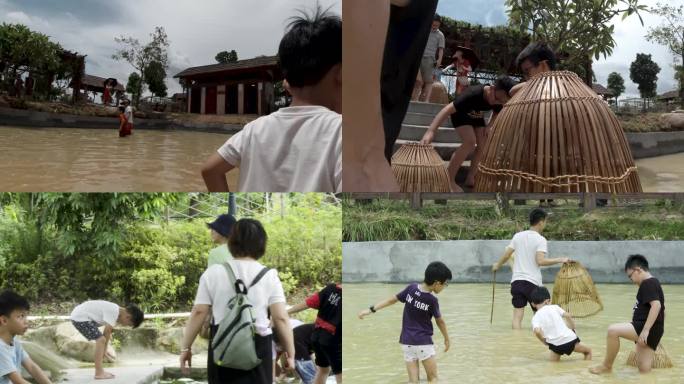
(302, 341)
(472, 100)
(649, 290)
(330, 312)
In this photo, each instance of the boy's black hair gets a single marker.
(637, 260)
(437, 18)
(539, 295)
(11, 301)
(537, 215)
(248, 239)
(437, 271)
(504, 83)
(122, 109)
(311, 47)
(537, 52)
(137, 315)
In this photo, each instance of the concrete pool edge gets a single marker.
(470, 260)
(38, 119)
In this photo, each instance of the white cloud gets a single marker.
(630, 39)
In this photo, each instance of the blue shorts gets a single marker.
(306, 369)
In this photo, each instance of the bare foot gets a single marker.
(455, 188)
(104, 376)
(600, 369)
(587, 356)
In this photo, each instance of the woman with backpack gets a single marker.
(238, 296)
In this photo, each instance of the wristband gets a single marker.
(372, 308)
(185, 350)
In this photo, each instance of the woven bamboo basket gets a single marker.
(439, 94)
(575, 292)
(660, 360)
(557, 135)
(419, 168)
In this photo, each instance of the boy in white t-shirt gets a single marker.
(88, 316)
(298, 148)
(549, 325)
(530, 249)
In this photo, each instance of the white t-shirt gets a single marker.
(215, 290)
(549, 319)
(128, 113)
(100, 311)
(295, 149)
(526, 244)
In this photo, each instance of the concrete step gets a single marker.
(414, 118)
(416, 132)
(445, 150)
(427, 108)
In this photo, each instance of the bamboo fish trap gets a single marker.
(557, 135)
(419, 168)
(660, 360)
(575, 292)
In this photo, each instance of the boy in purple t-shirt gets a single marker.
(420, 306)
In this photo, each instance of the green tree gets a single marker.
(671, 35)
(23, 50)
(134, 85)
(226, 57)
(155, 76)
(141, 56)
(616, 84)
(644, 72)
(579, 30)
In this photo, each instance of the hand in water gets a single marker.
(364, 313)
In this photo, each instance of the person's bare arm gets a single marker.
(569, 320)
(540, 335)
(440, 56)
(35, 371)
(504, 258)
(542, 261)
(281, 322)
(442, 328)
(650, 320)
(448, 110)
(15, 378)
(378, 306)
(297, 308)
(214, 173)
(192, 328)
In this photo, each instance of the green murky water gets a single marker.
(483, 353)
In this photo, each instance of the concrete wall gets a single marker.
(27, 118)
(470, 260)
(651, 144)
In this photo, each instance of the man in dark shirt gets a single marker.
(648, 320)
(466, 117)
(327, 334)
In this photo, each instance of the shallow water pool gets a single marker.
(97, 160)
(483, 353)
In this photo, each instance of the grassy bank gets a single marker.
(384, 220)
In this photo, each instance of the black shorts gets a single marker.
(329, 356)
(89, 329)
(262, 374)
(654, 334)
(461, 119)
(564, 349)
(521, 290)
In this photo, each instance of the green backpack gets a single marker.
(233, 344)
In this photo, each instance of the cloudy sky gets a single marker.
(629, 36)
(197, 29)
